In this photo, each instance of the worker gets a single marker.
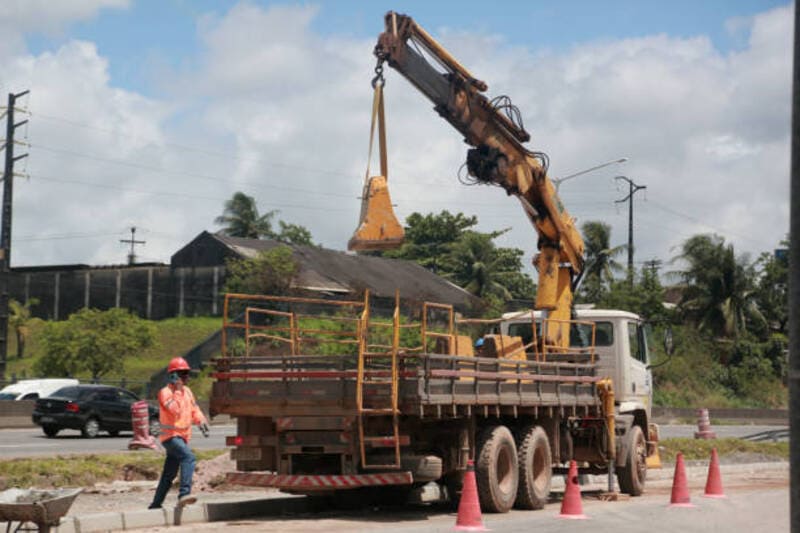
(479, 347)
(178, 411)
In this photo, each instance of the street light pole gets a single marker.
(559, 181)
(632, 188)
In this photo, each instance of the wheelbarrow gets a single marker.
(42, 508)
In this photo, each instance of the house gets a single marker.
(329, 273)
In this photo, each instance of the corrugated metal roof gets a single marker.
(331, 270)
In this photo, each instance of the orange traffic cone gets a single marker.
(571, 506)
(141, 427)
(714, 481)
(680, 488)
(469, 508)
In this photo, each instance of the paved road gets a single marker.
(758, 500)
(31, 441)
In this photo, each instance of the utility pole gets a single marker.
(5, 225)
(632, 188)
(133, 242)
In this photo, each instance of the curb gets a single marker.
(191, 514)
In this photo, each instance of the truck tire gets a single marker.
(424, 468)
(631, 477)
(535, 468)
(496, 470)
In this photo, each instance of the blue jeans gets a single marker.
(179, 455)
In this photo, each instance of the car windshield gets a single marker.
(8, 395)
(71, 393)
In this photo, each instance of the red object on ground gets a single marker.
(571, 506)
(469, 508)
(714, 481)
(140, 418)
(680, 488)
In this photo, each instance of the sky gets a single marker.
(150, 114)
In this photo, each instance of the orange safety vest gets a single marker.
(178, 411)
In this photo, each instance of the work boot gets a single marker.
(186, 499)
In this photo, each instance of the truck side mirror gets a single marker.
(669, 348)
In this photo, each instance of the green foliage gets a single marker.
(293, 234)
(242, 219)
(18, 319)
(600, 262)
(719, 295)
(447, 245)
(772, 288)
(700, 449)
(94, 341)
(271, 272)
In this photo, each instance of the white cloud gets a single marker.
(287, 111)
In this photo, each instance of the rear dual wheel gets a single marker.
(496, 469)
(535, 468)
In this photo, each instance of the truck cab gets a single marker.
(621, 345)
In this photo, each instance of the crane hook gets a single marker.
(378, 79)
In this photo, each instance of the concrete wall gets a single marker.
(153, 292)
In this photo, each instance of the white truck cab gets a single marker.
(621, 344)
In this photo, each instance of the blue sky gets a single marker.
(154, 31)
(152, 113)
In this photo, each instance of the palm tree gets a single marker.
(18, 318)
(241, 218)
(473, 263)
(600, 264)
(720, 295)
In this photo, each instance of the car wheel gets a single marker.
(50, 431)
(91, 428)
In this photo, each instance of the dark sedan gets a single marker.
(89, 408)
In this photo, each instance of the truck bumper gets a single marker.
(308, 483)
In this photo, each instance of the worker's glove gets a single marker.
(204, 429)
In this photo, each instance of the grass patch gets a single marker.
(174, 336)
(85, 470)
(700, 449)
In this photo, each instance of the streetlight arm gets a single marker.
(558, 181)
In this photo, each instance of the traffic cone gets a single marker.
(571, 506)
(141, 427)
(714, 481)
(704, 426)
(469, 508)
(680, 488)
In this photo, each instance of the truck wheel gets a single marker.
(632, 476)
(496, 470)
(535, 468)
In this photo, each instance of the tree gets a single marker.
(429, 237)
(600, 264)
(19, 317)
(94, 341)
(242, 219)
(719, 296)
(294, 234)
(772, 289)
(473, 263)
(270, 272)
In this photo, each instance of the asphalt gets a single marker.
(250, 505)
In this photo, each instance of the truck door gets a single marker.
(638, 384)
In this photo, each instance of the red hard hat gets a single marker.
(177, 364)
